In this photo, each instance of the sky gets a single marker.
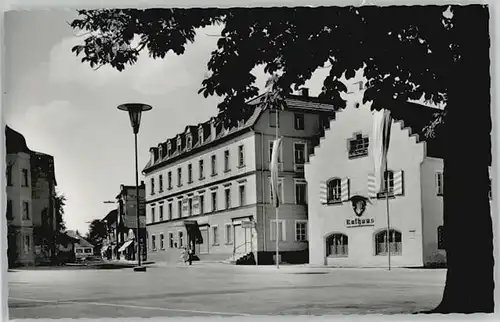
(66, 109)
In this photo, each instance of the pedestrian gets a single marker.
(184, 255)
(190, 256)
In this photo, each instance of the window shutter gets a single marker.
(282, 231)
(345, 189)
(372, 190)
(322, 192)
(398, 183)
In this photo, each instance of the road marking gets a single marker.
(133, 307)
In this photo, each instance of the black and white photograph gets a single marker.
(275, 160)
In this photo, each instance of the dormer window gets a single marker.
(179, 144)
(169, 147)
(160, 151)
(200, 135)
(189, 141)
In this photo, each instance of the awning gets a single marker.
(193, 229)
(124, 246)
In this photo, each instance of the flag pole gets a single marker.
(277, 196)
(388, 217)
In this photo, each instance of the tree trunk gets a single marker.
(468, 233)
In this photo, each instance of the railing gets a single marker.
(240, 246)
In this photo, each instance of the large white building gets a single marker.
(342, 167)
(205, 185)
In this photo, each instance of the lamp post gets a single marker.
(135, 110)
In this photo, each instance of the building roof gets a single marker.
(15, 141)
(416, 117)
(313, 104)
(80, 240)
(111, 216)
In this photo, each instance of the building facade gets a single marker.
(30, 203)
(340, 232)
(126, 223)
(209, 187)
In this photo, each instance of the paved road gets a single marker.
(205, 290)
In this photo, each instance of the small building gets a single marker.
(345, 233)
(81, 246)
(109, 248)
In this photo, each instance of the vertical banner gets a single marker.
(382, 121)
(275, 172)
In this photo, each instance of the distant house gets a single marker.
(82, 248)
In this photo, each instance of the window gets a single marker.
(27, 244)
(214, 165)
(10, 214)
(388, 184)
(25, 178)
(439, 183)
(273, 118)
(281, 228)
(299, 150)
(201, 169)
(162, 242)
(301, 230)
(280, 156)
(241, 156)
(280, 188)
(181, 239)
(161, 212)
(227, 195)
(300, 192)
(179, 208)
(226, 161)
(229, 233)
(179, 177)
(26, 210)
(358, 146)
(189, 142)
(9, 175)
(395, 245)
(88, 250)
(440, 238)
(337, 245)
(153, 215)
(190, 206)
(169, 147)
(215, 236)
(299, 121)
(190, 173)
(160, 182)
(170, 211)
(242, 194)
(202, 204)
(334, 191)
(214, 200)
(179, 144)
(169, 179)
(153, 242)
(78, 250)
(152, 186)
(171, 240)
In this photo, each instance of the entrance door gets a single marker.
(242, 239)
(203, 247)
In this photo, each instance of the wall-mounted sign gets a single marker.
(358, 222)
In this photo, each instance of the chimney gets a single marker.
(304, 92)
(213, 129)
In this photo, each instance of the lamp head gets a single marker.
(134, 111)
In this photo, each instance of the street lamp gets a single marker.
(134, 111)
